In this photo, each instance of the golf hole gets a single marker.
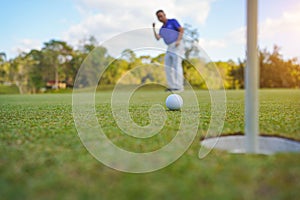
(268, 144)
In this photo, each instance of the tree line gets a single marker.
(58, 62)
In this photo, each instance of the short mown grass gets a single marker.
(42, 157)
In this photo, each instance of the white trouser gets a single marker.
(173, 66)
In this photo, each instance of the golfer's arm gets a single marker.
(181, 30)
(157, 36)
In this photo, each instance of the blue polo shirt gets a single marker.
(170, 36)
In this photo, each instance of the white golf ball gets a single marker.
(174, 102)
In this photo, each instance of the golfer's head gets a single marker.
(161, 16)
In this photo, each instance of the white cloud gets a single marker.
(197, 10)
(287, 24)
(107, 18)
(25, 45)
(283, 31)
(212, 44)
(237, 36)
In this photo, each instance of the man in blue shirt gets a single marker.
(171, 32)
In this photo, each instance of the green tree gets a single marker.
(159, 59)
(35, 70)
(19, 70)
(275, 72)
(236, 74)
(3, 67)
(87, 45)
(190, 40)
(94, 63)
(56, 56)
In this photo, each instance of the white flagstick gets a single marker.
(252, 80)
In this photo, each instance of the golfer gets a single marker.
(171, 32)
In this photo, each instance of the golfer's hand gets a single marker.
(153, 25)
(177, 43)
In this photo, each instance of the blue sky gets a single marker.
(221, 23)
